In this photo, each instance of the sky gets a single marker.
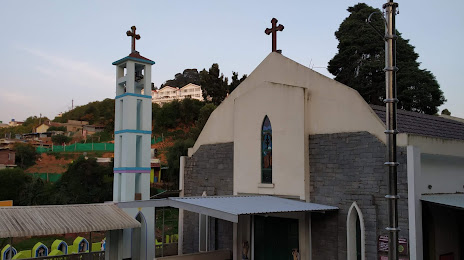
(55, 53)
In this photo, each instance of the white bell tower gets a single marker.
(132, 144)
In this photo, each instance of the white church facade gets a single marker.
(292, 133)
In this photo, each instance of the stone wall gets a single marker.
(210, 169)
(347, 168)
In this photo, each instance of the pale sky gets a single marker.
(54, 52)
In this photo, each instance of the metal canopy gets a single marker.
(230, 207)
(453, 200)
(61, 219)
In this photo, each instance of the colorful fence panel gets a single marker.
(77, 147)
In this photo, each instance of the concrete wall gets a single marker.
(210, 169)
(347, 168)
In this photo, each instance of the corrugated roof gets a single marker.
(426, 125)
(246, 205)
(453, 200)
(60, 219)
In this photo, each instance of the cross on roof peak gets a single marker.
(274, 30)
(134, 37)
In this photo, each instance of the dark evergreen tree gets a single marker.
(25, 155)
(360, 61)
(184, 78)
(213, 84)
(236, 81)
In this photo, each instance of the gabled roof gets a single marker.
(135, 56)
(426, 125)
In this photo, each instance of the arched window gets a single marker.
(266, 151)
(355, 234)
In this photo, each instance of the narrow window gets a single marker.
(121, 115)
(266, 151)
(139, 114)
(138, 151)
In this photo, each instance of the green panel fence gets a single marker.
(50, 177)
(77, 147)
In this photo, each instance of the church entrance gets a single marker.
(275, 238)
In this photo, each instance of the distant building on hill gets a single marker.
(7, 157)
(169, 94)
(42, 128)
(13, 122)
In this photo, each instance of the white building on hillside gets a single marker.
(168, 94)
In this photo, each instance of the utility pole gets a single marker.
(72, 104)
(391, 122)
(391, 132)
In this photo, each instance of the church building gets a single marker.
(291, 133)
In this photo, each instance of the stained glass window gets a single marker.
(266, 151)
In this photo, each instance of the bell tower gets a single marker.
(132, 144)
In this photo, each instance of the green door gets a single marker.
(275, 238)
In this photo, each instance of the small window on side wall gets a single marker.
(266, 151)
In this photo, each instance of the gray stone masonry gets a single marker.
(210, 169)
(349, 167)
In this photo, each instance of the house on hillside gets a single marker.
(13, 122)
(75, 125)
(169, 94)
(43, 127)
(7, 158)
(294, 161)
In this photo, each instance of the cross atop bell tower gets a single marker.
(134, 37)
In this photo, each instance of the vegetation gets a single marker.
(85, 181)
(184, 78)
(360, 61)
(446, 112)
(27, 126)
(57, 128)
(98, 112)
(25, 155)
(60, 139)
(213, 84)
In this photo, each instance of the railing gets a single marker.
(100, 255)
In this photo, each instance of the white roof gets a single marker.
(18, 221)
(453, 200)
(230, 207)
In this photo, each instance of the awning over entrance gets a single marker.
(230, 207)
(453, 200)
(61, 219)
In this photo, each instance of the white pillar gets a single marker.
(414, 203)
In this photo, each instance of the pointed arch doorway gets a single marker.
(139, 239)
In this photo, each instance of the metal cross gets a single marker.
(274, 30)
(134, 37)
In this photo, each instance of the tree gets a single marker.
(184, 78)
(236, 81)
(14, 182)
(213, 84)
(25, 155)
(360, 61)
(446, 112)
(57, 128)
(173, 155)
(85, 181)
(60, 139)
